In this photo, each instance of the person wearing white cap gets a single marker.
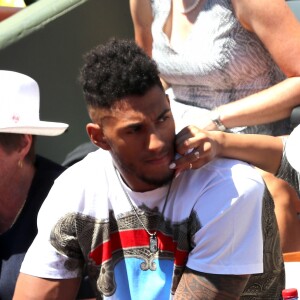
(26, 177)
(20, 106)
(277, 155)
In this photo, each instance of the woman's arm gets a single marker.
(141, 14)
(262, 151)
(270, 105)
(279, 30)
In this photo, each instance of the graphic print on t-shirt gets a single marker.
(116, 251)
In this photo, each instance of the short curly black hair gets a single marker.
(115, 70)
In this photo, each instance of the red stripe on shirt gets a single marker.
(136, 239)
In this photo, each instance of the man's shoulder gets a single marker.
(43, 163)
(224, 173)
(78, 187)
(97, 160)
(46, 171)
(91, 169)
(231, 168)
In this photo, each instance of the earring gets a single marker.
(20, 164)
(93, 139)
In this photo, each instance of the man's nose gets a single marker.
(156, 142)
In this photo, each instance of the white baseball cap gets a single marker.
(20, 107)
(292, 148)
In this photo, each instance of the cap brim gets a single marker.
(38, 128)
(292, 148)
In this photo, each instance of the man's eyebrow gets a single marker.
(138, 123)
(132, 125)
(167, 110)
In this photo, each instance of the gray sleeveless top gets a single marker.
(220, 61)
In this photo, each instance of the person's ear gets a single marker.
(25, 146)
(97, 136)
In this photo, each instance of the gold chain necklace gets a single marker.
(153, 244)
(191, 7)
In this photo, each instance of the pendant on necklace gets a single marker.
(153, 243)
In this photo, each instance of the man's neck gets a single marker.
(13, 195)
(140, 186)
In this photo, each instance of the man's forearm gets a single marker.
(34, 288)
(202, 286)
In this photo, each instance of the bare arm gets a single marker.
(141, 14)
(34, 288)
(262, 151)
(279, 30)
(197, 285)
(270, 105)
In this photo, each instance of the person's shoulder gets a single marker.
(229, 169)
(93, 165)
(231, 165)
(221, 162)
(220, 185)
(229, 179)
(242, 169)
(47, 167)
(43, 162)
(80, 152)
(239, 175)
(79, 185)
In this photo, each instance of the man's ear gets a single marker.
(97, 136)
(25, 146)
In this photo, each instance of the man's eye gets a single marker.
(134, 129)
(163, 119)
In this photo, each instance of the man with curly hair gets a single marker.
(120, 214)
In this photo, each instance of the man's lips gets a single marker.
(160, 160)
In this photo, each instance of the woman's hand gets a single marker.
(196, 148)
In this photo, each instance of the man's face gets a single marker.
(140, 134)
(8, 167)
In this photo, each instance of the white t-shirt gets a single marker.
(211, 223)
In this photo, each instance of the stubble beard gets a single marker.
(153, 181)
(158, 182)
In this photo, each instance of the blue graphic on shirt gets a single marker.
(133, 283)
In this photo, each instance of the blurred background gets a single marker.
(46, 40)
